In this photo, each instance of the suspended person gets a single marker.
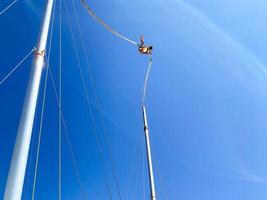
(143, 49)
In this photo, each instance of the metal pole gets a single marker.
(15, 180)
(149, 157)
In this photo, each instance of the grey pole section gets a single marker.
(15, 180)
(149, 157)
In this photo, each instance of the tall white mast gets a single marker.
(15, 180)
(149, 157)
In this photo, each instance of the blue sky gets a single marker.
(206, 100)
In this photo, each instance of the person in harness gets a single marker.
(142, 48)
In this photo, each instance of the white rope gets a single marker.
(9, 6)
(106, 26)
(146, 79)
(43, 107)
(16, 67)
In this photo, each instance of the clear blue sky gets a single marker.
(207, 99)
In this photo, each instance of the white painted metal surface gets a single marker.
(149, 157)
(15, 181)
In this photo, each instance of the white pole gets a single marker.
(149, 157)
(15, 180)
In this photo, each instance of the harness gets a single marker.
(145, 49)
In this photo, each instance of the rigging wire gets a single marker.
(43, 105)
(60, 105)
(31, 161)
(17, 66)
(97, 100)
(73, 158)
(106, 26)
(90, 11)
(131, 174)
(144, 95)
(75, 165)
(77, 175)
(100, 151)
(31, 158)
(9, 6)
(122, 37)
(39, 137)
(145, 86)
(136, 177)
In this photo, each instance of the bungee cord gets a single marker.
(17, 66)
(58, 96)
(9, 6)
(146, 80)
(142, 48)
(105, 25)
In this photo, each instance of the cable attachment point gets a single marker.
(39, 53)
(145, 128)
